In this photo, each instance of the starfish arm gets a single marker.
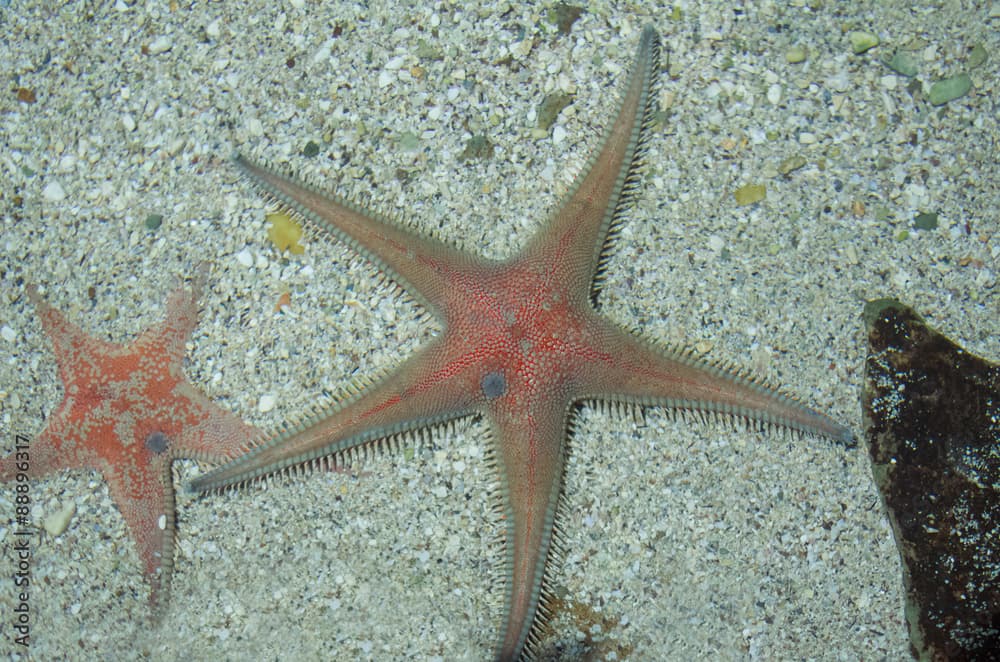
(424, 391)
(209, 432)
(45, 454)
(166, 341)
(632, 370)
(74, 350)
(587, 219)
(144, 494)
(417, 263)
(530, 454)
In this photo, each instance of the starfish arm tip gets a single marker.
(847, 437)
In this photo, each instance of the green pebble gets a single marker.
(428, 51)
(949, 89)
(310, 150)
(796, 54)
(903, 64)
(791, 163)
(925, 221)
(153, 221)
(862, 41)
(409, 142)
(977, 56)
(749, 194)
(563, 16)
(478, 148)
(550, 108)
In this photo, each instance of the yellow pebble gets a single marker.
(285, 233)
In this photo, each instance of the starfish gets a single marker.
(128, 412)
(522, 346)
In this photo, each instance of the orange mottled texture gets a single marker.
(128, 412)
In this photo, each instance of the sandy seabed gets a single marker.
(685, 539)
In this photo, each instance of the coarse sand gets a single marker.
(686, 539)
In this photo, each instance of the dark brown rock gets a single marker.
(932, 414)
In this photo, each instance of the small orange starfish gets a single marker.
(522, 346)
(128, 412)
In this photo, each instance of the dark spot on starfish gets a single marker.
(157, 442)
(494, 385)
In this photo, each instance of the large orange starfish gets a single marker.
(522, 345)
(128, 412)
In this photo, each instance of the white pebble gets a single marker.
(212, 29)
(245, 258)
(54, 192)
(558, 134)
(323, 54)
(128, 122)
(807, 138)
(901, 279)
(889, 82)
(774, 94)
(59, 521)
(8, 333)
(67, 163)
(839, 82)
(161, 45)
(266, 404)
(385, 78)
(521, 49)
